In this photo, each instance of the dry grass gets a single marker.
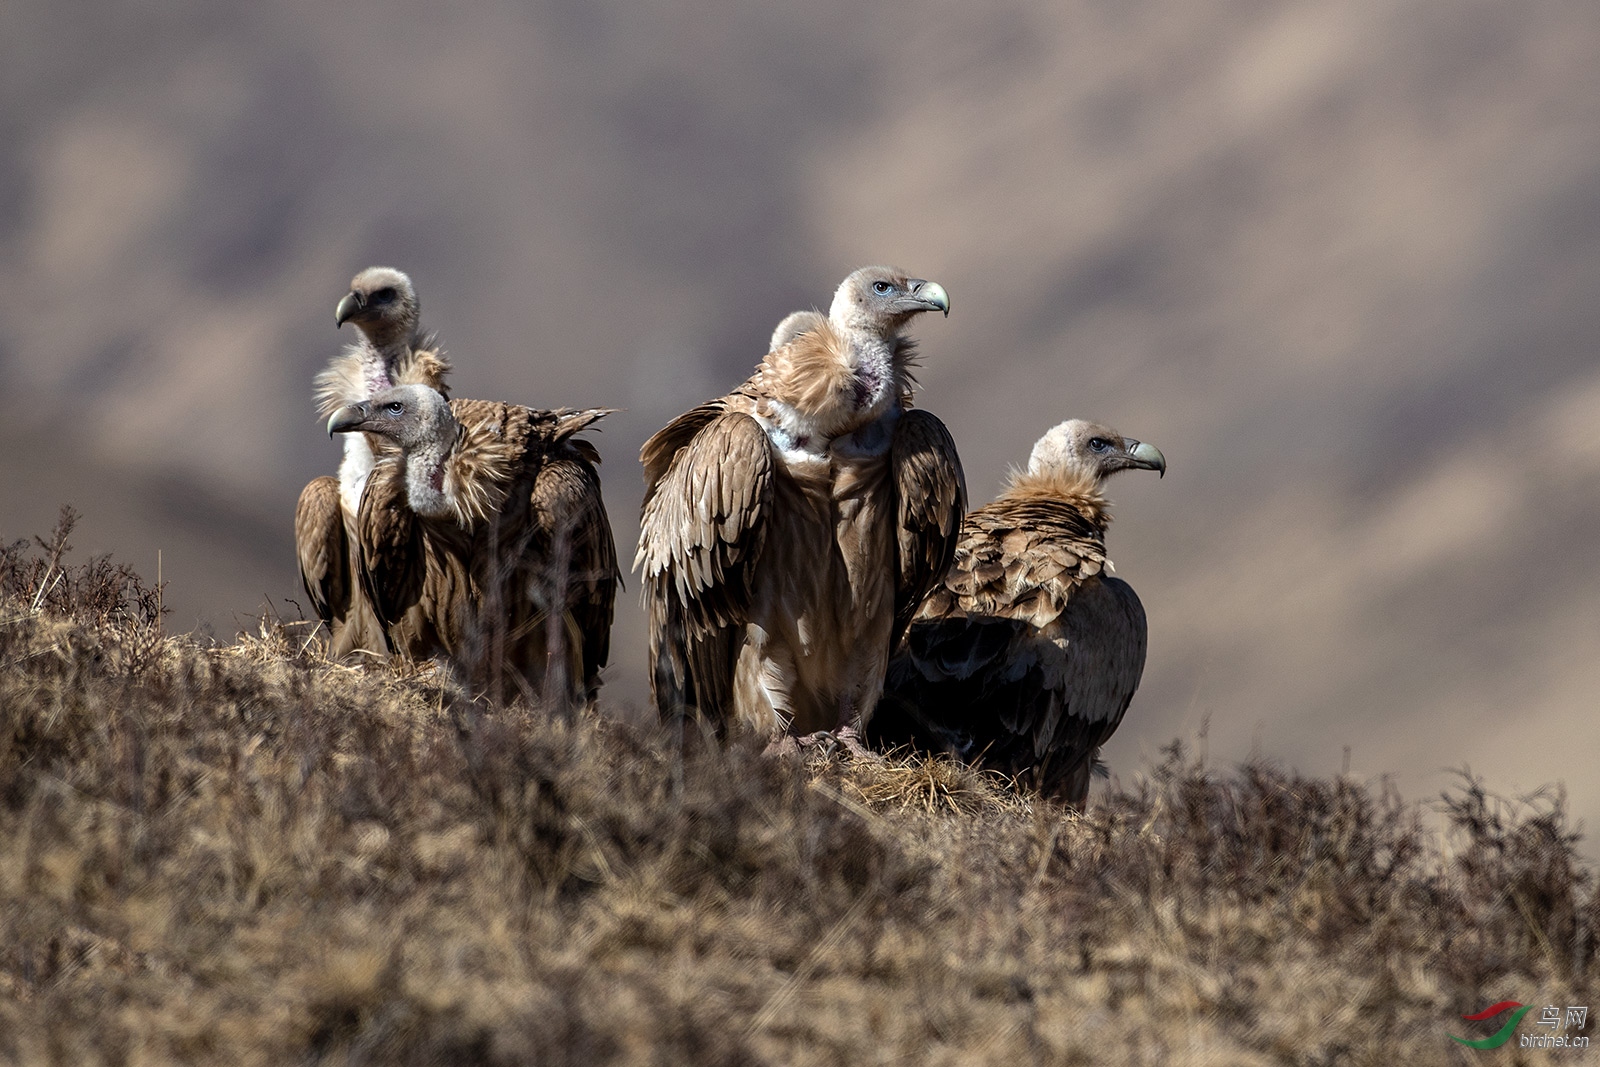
(248, 855)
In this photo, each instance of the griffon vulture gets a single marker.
(484, 538)
(391, 350)
(1025, 656)
(791, 528)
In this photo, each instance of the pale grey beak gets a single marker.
(348, 418)
(1145, 456)
(930, 296)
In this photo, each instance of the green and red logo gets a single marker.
(1502, 1035)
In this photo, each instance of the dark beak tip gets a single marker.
(348, 306)
(345, 420)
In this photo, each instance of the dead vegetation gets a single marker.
(248, 855)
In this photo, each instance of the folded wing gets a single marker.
(705, 522)
(931, 498)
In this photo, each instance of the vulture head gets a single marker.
(419, 420)
(412, 416)
(1092, 451)
(881, 300)
(383, 305)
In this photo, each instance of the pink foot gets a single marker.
(827, 742)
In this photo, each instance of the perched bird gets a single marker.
(391, 349)
(484, 538)
(1026, 655)
(791, 528)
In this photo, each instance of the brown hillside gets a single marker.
(245, 855)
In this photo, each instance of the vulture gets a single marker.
(482, 537)
(791, 528)
(391, 349)
(1025, 656)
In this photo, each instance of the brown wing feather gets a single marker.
(574, 535)
(665, 444)
(443, 619)
(931, 497)
(700, 538)
(393, 564)
(1105, 634)
(1019, 560)
(323, 549)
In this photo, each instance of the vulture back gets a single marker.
(517, 585)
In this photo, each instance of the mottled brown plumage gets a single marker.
(484, 538)
(323, 548)
(1027, 654)
(790, 528)
(391, 349)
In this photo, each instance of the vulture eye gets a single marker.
(1099, 444)
(384, 295)
(881, 288)
(395, 407)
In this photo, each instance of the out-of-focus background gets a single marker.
(1340, 262)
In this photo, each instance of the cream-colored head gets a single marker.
(419, 420)
(383, 305)
(882, 300)
(1081, 449)
(412, 416)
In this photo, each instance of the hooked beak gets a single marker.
(928, 296)
(348, 418)
(1146, 457)
(352, 304)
